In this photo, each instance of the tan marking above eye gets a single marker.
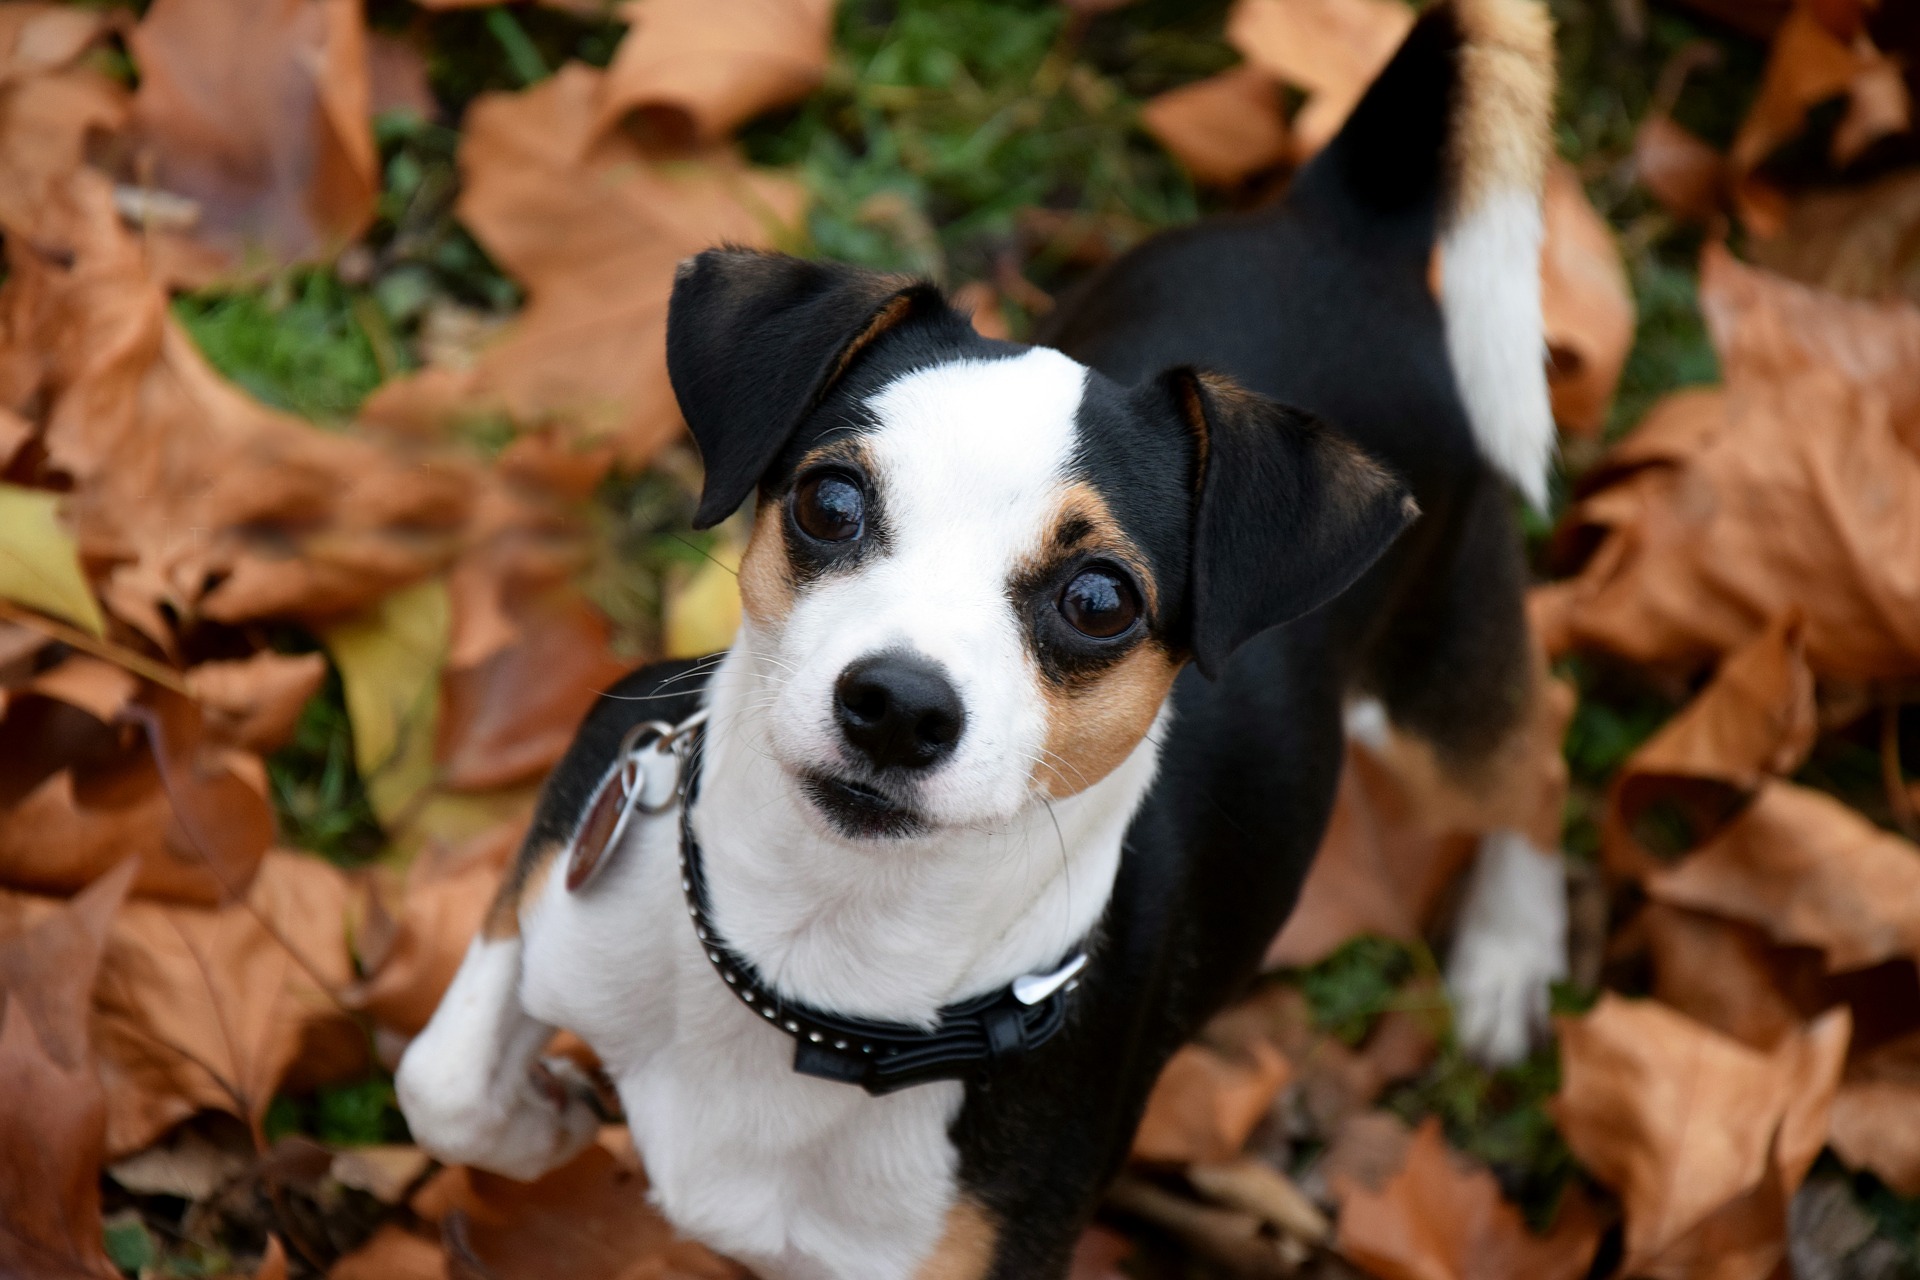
(1082, 523)
(766, 575)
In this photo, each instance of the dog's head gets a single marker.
(977, 567)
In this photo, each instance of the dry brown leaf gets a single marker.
(1683, 1122)
(508, 718)
(1858, 241)
(411, 957)
(1810, 64)
(257, 110)
(1223, 128)
(1810, 871)
(1807, 495)
(255, 702)
(150, 785)
(46, 124)
(207, 1008)
(1688, 177)
(1331, 48)
(692, 70)
(1206, 1103)
(1876, 1115)
(397, 78)
(593, 227)
(1381, 868)
(36, 38)
(1718, 972)
(196, 500)
(392, 1253)
(52, 1114)
(1754, 720)
(1098, 1255)
(587, 1218)
(1586, 306)
(1439, 1219)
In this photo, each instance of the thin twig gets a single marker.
(141, 665)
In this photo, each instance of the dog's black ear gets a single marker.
(1287, 512)
(755, 339)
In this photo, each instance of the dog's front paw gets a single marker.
(1509, 948)
(518, 1123)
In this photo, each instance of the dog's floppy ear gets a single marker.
(1287, 512)
(755, 339)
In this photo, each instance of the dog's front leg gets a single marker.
(1509, 948)
(471, 1085)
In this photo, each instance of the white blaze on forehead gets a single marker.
(976, 438)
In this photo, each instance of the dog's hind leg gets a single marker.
(472, 1085)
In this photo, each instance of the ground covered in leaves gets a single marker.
(338, 469)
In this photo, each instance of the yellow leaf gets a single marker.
(39, 562)
(390, 660)
(704, 612)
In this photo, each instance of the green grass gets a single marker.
(317, 794)
(940, 120)
(358, 1114)
(299, 343)
(1350, 989)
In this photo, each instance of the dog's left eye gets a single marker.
(1099, 603)
(829, 507)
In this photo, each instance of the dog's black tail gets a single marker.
(1451, 145)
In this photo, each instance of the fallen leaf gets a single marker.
(255, 702)
(385, 1172)
(36, 38)
(51, 1109)
(39, 560)
(508, 719)
(257, 110)
(593, 227)
(1333, 49)
(1683, 1122)
(1098, 1255)
(397, 78)
(1206, 1103)
(703, 608)
(1876, 1115)
(1810, 871)
(1807, 495)
(1856, 241)
(1381, 869)
(590, 1217)
(273, 1264)
(1254, 1186)
(1586, 306)
(207, 1008)
(442, 903)
(694, 69)
(392, 1253)
(197, 501)
(1437, 1220)
(1224, 128)
(390, 660)
(1718, 972)
(1688, 177)
(1753, 721)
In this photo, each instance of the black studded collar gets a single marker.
(971, 1037)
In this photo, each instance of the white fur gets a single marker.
(1490, 298)
(800, 1178)
(1509, 947)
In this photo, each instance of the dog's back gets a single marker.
(1325, 300)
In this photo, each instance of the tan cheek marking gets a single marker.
(1092, 727)
(966, 1248)
(523, 884)
(766, 577)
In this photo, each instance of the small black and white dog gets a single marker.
(1035, 717)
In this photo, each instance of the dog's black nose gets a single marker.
(898, 711)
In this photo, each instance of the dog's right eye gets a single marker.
(829, 507)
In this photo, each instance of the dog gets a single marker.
(884, 922)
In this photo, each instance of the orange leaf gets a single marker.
(1331, 48)
(1222, 128)
(1683, 1122)
(52, 1114)
(200, 1008)
(258, 111)
(1437, 1219)
(1205, 1104)
(694, 69)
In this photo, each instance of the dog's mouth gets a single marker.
(858, 810)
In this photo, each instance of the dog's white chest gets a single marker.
(796, 1177)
